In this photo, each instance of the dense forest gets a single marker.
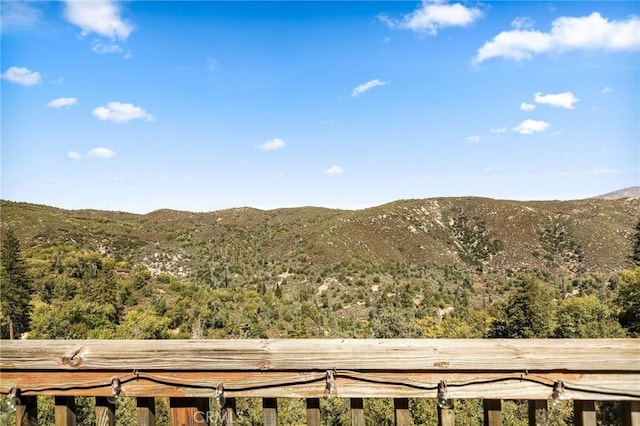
(91, 275)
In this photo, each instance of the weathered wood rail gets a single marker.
(189, 372)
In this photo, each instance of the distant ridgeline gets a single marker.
(468, 234)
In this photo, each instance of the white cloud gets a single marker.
(333, 170)
(119, 112)
(101, 153)
(562, 100)
(522, 23)
(567, 33)
(433, 15)
(19, 14)
(606, 89)
(499, 130)
(105, 49)
(367, 86)
(529, 127)
(98, 16)
(72, 155)
(273, 144)
(473, 138)
(62, 102)
(21, 75)
(527, 107)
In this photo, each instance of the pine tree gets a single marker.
(15, 291)
(527, 312)
(635, 256)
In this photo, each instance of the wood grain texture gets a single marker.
(446, 417)
(492, 412)
(357, 412)
(146, 411)
(324, 354)
(402, 415)
(65, 411)
(584, 413)
(281, 384)
(184, 412)
(105, 412)
(270, 411)
(631, 413)
(27, 411)
(313, 412)
(593, 369)
(230, 412)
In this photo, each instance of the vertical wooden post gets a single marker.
(401, 407)
(230, 412)
(313, 411)
(27, 411)
(270, 411)
(203, 415)
(492, 412)
(105, 412)
(631, 413)
(584, 413)
(65, 411)
(446, 417)
(357, 412)
(538, 415)
(146, 408)
(184, 412)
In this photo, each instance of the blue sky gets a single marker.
(204, 105)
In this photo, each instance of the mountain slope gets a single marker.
(473, 234)
(631, 192)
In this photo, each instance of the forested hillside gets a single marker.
(305, 272)
(450, 267)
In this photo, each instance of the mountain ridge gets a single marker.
(475, 234)
(630, 192)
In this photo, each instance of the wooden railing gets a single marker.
(190, 372)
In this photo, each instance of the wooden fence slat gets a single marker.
(270, 411)
(322, 354)
(492, 412)
(65, 411)
(624, 386)
(105, 412)
(308, 386)
(313, 412)
(490, 368)
(631, 413)
(357, 412)
(401, 408)
(446, 417)
(146, 410)
(538, 415)
(27, 411)
(204, 410)
(584, 413)
(230, 412)
(184, 412)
